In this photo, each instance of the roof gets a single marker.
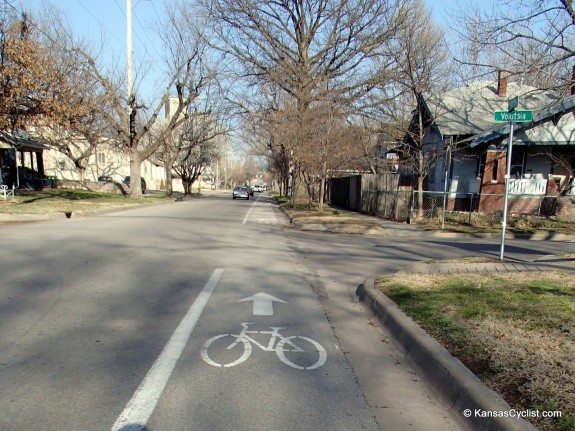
(21, 143)
(553, 124)
(469, 110)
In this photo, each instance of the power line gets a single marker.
(146, 34)
(156, 10)
(100, 22)
(123, 13)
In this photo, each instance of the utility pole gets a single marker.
(129, 44)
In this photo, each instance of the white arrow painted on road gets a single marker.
(263, 304)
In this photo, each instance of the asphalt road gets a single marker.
(106, 322)
(122, 322)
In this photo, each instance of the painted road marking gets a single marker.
(250, 211)
(263, 304)
(298, 352)
(143, 402)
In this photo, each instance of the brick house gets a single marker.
(462, 120)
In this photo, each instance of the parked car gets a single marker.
(105, 179)
(241, 193)
(143, 183)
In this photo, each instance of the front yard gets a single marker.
(64, 200)
(515, 331)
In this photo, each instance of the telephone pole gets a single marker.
(129, 43)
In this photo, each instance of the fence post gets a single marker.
(444, 208)
(471, 195)
(411, 207)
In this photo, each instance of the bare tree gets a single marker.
(200, 148)
(331, 143)
(129, 121)
(201, 126)
(420, 69)
(310, 51)
(532, 39)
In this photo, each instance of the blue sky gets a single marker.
(94, 19)
(91, 18)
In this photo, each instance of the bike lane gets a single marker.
(266, 387)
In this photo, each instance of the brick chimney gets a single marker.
(502, 83)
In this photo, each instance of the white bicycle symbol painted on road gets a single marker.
(296, 351)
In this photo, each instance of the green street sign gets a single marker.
(513, 116)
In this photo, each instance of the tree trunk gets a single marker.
(322, 185)
(82, 173)
(286, 185)
(135, 174)
(168, 172)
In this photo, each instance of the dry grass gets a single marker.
(62, 200)
(303, 214)
(516, 331)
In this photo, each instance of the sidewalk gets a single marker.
(454, 382)
(389, 228)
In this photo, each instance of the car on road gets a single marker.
(258, 188)
(241, 193)
(105, 179)
(143, 183)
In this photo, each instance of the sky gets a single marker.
(104, 22)
(94, 19)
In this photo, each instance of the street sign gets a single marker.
(512, 104)
(513, 116)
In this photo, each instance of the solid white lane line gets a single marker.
(140, 407)
(249, 212)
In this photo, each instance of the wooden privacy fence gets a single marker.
(381, 195)
(374, 194)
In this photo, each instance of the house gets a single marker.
(462, 121)
(21, 161)
(106, 161)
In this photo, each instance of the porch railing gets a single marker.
(527, 186)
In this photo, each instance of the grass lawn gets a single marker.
(302, 213)
(64, 200)
(516, 331)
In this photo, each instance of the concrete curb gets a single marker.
(452, 380)
(30, 217)
(418, 233)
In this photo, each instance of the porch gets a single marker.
(21, 162)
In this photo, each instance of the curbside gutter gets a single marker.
(450, 378)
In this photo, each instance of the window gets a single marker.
(62, 164)
(494, 171)
(101, 158)
(517, 163)
(480, 165)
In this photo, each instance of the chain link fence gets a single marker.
(487, 209)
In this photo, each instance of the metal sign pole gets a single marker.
(507, 179)
(447, 163)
